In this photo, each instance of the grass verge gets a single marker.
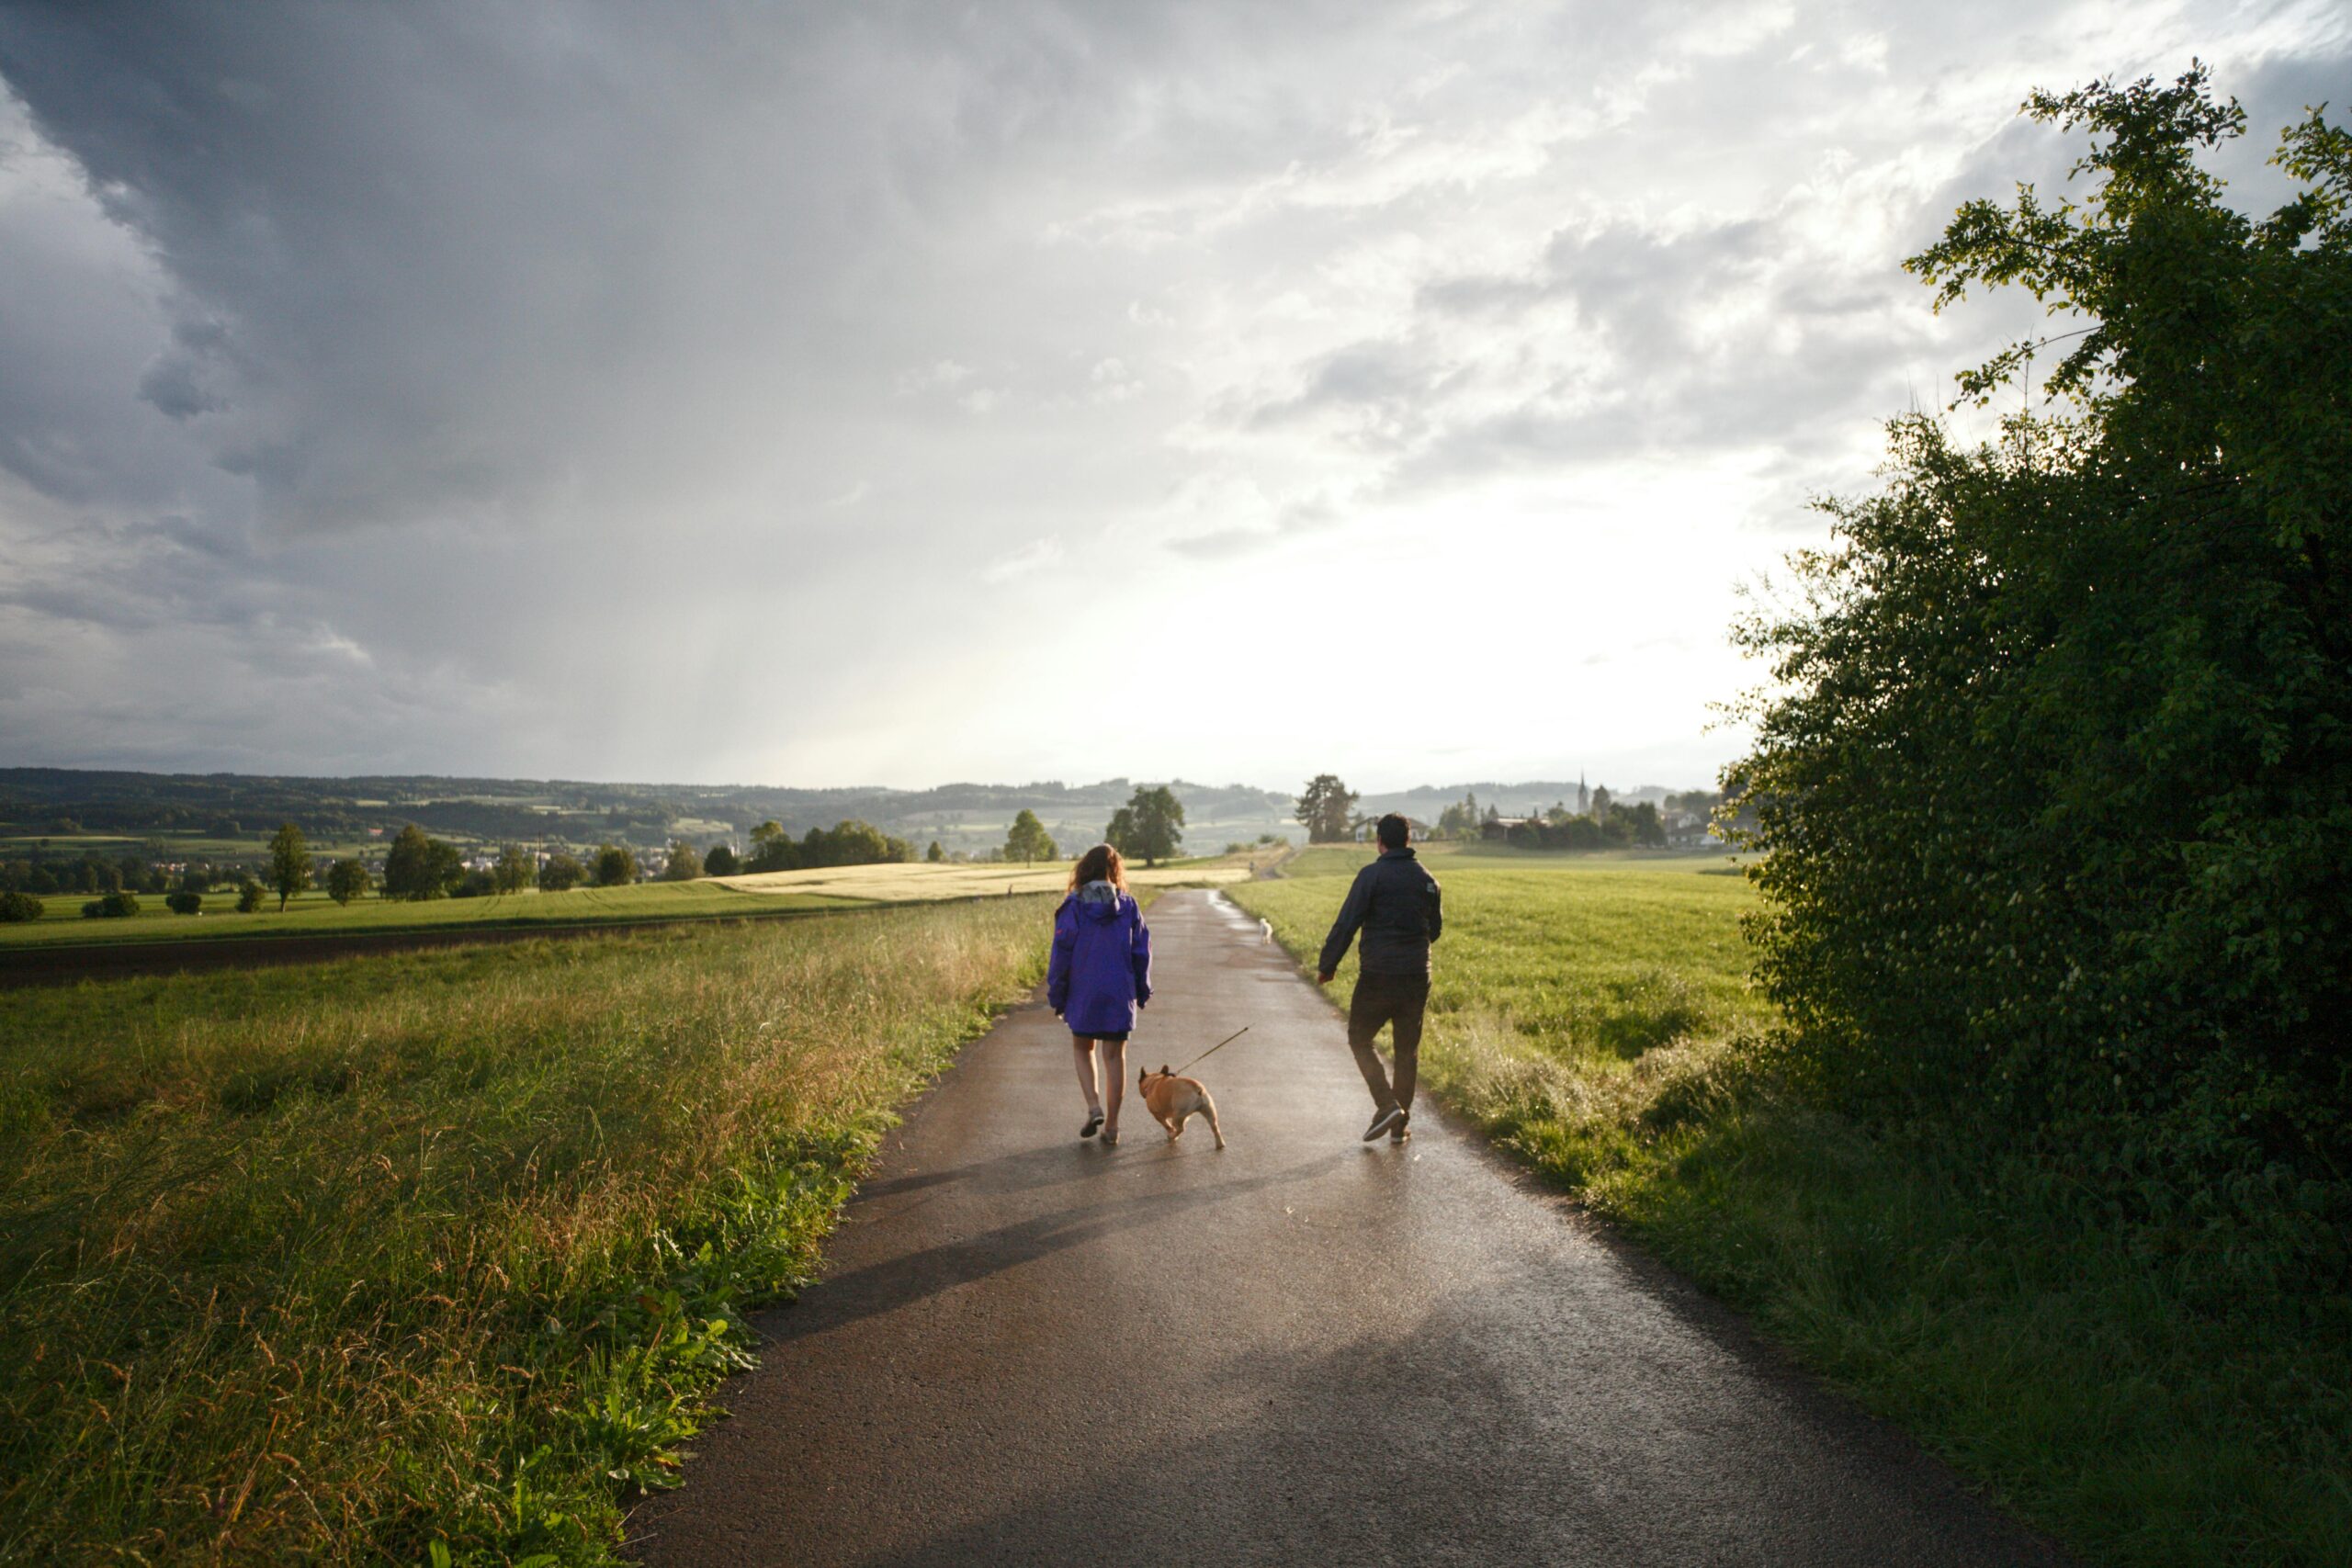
(2148, 1400)
(373, 1260)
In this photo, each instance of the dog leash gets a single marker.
(1216, 1048)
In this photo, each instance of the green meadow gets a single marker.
(440, 1252)
(2146, 1401)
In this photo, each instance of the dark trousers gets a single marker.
(1398, 1001)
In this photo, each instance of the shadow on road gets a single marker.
(886, 1287)
(1350, 1449)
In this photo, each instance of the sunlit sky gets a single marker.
(900, 393)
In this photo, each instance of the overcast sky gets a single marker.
(900, 393)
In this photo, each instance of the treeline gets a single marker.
(844, 843)
(417, 866)
(1605, 823)
(118, 885)
(86, 872)
(1327, 808)
(1607, 826)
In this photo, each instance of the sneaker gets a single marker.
(1111, 1137)
(1402, 1131)
(1390, 1118)
(1093, 1124)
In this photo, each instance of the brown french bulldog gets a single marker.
(1173, 1101)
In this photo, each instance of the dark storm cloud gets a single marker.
(606, 386)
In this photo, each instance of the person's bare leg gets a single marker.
(1115, 1078)
(1082, 1051)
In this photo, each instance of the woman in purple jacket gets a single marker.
(1100, 975)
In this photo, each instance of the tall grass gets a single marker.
(333, 1263)
(2147, 1400)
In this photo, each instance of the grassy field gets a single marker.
(314, 914)
(2148, 1404)
(333, 1262)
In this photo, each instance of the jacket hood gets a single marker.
(1100, 899)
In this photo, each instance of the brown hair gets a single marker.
(1101, 864)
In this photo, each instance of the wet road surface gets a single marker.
(1027, 1348)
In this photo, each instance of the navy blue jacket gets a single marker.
(1394, 902)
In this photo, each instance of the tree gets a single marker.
(1328, 809)
(250, 895)
(1028, 840)
(851, 843)
(417, 867)
(685, 863)
(615, 865)
(772, 849)
(117, 905)
(720, 861)
(1150, 826)
(183, 902)
(1460, 820)
(514, 871)
(561, 874)
(2055, 771)
(289, 862)
(934, 854)
(15, 906)
(347, 879)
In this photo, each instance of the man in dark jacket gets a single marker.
(1395, 903)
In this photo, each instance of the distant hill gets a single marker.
(66, 804)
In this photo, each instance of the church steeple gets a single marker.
(1584, 796)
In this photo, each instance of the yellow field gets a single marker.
(921, 880)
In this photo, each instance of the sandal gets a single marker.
(1111, 1137)
(1094, 1125)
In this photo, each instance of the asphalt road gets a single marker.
(1302, 1349)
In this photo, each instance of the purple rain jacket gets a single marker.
(1102, 965)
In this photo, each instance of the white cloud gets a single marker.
(938, 374)
(1032, 557)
